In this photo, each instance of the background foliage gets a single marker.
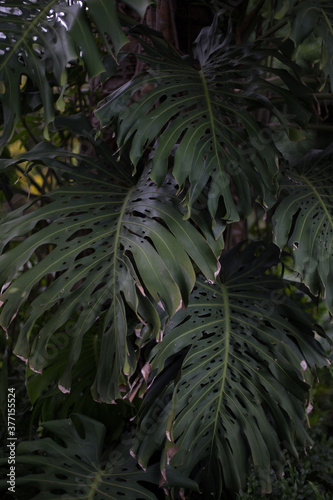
(166, 247)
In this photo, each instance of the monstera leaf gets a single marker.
(113, 247)
(40, 38)
(304, 220)
(238, 390)
(200, 110)
(74, 467)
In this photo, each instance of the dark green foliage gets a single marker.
(166, 353)
(205, 117)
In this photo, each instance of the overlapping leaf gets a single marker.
(112, 245)
(304, 220)
(238, 390)
(74, 468)
(201, 111)
(37, 38)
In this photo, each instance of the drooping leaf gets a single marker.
(38, 39)
(236, 390)
(46, 399)
(304, 220)
(74, 467)
(112, 246)
(202, 110)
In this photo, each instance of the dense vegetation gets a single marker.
(166, 238)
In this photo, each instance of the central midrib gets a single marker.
(226, 309)
(116, 244)
(211, 116)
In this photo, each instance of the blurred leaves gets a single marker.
(315, 17)
(37, 43)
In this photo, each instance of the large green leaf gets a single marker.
(74, 468)
(236, 389)
(112, 246)
(37, 38)
(48, 402)
(202, 111)
(304, 220)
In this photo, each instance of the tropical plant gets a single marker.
(165, 350)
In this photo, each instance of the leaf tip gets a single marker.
(161, 305)
(35, 370)
(217, 272)
(63, 389)
(22, 357)
(304, 364)
(309, 408)
(142, 467)
(163, 478)
(3, 288)
(180, 306)
(4, 329)
(145, 370)
(171, 452)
